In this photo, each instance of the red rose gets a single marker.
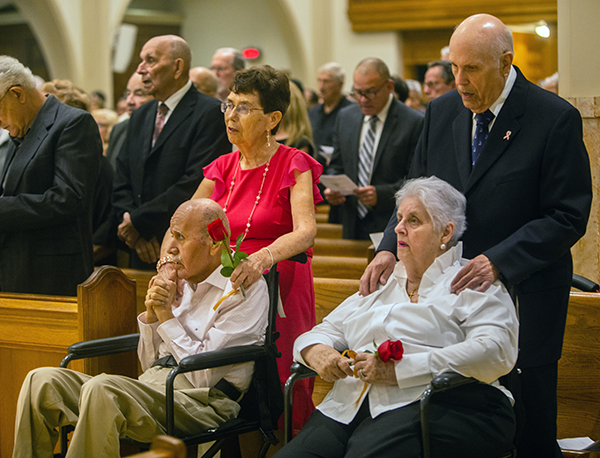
(390, 350)
(217, 230)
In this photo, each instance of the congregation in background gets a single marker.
(82, 185)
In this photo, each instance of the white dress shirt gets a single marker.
(473, 333)
(499, 103)
(174, 100)
(197, 328)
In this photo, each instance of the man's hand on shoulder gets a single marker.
(378, 271)
(478, 274)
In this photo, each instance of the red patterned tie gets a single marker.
(160, 121)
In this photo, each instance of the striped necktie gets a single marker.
(365, 161)
(163, 109)
(481, 134)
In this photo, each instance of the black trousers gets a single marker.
(536, 412)
(472, 421)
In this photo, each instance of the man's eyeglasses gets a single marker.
(368, 93)
(242, 109)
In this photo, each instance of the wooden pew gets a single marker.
(341, 247)
(329, 293)
(329, 231)
(338, 267)
(322, 213)
(142, 279)
(323, 209)
(35, 331)
(322, 217)
(579, 370)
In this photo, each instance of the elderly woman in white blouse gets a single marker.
(372, 410)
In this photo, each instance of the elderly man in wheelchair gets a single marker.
(412, 329)
(188, 311)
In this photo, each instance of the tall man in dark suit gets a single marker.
(168, 142)
(46, 188)
(374, 142)
(516, 152)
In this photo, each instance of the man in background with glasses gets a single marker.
(374, 142)
(439, 79)
(46, 188)
(225, 63)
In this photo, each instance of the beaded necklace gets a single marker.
(256, 201)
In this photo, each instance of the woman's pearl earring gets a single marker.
(443, 246)
(268, 138)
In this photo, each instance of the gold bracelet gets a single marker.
(270, 254)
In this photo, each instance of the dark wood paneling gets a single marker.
(380, 15)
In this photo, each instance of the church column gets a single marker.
(578, 37)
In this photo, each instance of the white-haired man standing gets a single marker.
(46, 188)
(226, 62)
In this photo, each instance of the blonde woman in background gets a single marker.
(105, 119)
(295, 129)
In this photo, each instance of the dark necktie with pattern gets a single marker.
(163, 109)
(365, 161)
(481, 134)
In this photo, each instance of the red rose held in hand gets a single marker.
(390, 350)
(217, 230)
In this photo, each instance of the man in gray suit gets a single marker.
(46, 188)
(374, 142)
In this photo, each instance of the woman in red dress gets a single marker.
(269, 192)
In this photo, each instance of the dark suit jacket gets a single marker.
(392, 161)
(46, 208)
(150, 183)
(528, 200)
(115, 142)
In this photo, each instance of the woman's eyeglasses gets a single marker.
(242, 109)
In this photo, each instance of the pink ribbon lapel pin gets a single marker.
(507, 136)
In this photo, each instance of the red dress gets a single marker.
(272, 218)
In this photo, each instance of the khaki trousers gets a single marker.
(105, 408)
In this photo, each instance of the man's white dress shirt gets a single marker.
(472, 333)
(197, 328)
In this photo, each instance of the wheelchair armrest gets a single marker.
(584, 284)
(302, 371)
(201, 361)
(299, 371)
(101, 347)
(222, 357)
(449, 380)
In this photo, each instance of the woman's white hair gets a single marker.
(14, 73)
(443, 203)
